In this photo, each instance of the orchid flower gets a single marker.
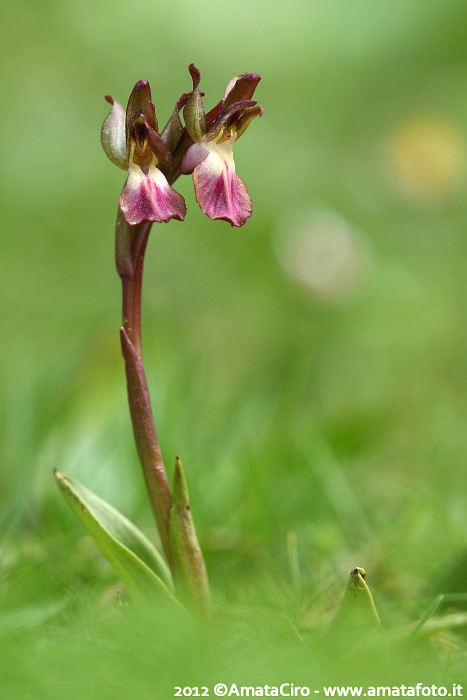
(131, 140)
(219, 191)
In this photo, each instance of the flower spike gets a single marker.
(203, 148)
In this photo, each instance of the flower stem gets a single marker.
(130, 248)
(131, 289)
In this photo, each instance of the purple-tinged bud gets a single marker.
(113, 138)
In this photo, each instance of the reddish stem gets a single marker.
(132, 284)
(131, 242)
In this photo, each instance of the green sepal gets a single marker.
(193, 111)
(357, 610)
(135, 560)
(191, 578)
(244, 121)
(113, 137)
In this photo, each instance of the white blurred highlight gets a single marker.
(323, 253)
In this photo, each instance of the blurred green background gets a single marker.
(309, 368)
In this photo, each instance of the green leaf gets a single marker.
(135, 560)
(357, 610)
(427, 622)
(191, 576)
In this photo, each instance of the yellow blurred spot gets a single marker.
(428, 154)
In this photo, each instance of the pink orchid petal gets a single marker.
(193, 157)
(219, 191)
(149, 197)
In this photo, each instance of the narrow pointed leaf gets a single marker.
(128, 551)
(191, 578)
(357, 610)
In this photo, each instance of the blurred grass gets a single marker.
(296, 404)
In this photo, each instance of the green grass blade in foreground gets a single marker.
(134, 559)
(428, 622)
(357, 610)
(29, 616)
